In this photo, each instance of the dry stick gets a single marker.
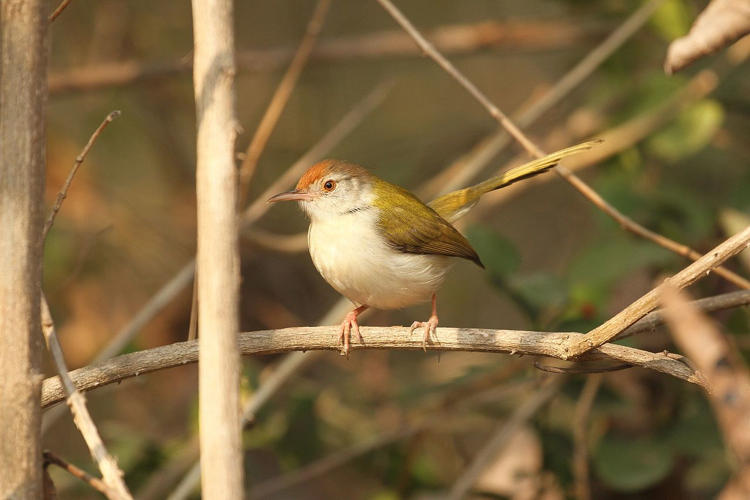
(532, 148)
(503, 434)
(74, 169)
(217, 261)
(281, 96)
(580, 427)
(727, 376)
(453, 39)
(635, 311)
(111, 473)
(94, 482)
(58, 10)
(519, 342)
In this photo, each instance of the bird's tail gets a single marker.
(453, 205)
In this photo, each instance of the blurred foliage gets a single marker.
(553, 261)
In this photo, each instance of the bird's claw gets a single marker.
(345, 338)
(430, 328)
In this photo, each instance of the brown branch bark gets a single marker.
(451, 39)
(218, 256)
(23, 66)
(517, 342)
(635, 311)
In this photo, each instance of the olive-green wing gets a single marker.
(413, 227)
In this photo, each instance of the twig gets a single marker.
(58, 10)
(281, 97)
(580, 428)
(635, 311)
(532, 148)
(77, 163)
(217, 261)
(453, 39)
(94, 482)
(726, 375)
(519, 342)
(503, 434)
(111, 473)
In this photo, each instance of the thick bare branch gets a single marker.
(23, 66)
(518, 342)
(218, 255)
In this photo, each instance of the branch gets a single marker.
(635, 311)
(94, 482)
(111, 473)
(453, 39)
(263, 342)
(74, 169)
(580, 434)
(217, 262)
(281, 96)
(530, 146)
(58, 10)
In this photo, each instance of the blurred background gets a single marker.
(677, 162)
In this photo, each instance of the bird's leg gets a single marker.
(429, 326)
(349, 324)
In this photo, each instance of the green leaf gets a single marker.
(632, 464)
(690, 132)
(672, 19)
(498, 253)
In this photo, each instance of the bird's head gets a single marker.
(331, 187)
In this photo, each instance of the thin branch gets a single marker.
(74, 169)
(580, 434)
(452, 39)
(635, 311)
(111, 473)
(58, 10)
(262, 342)
(94, 482)
(531, 147)
(281, 96)
(505, 431)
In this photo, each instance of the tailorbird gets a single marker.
(380, 246)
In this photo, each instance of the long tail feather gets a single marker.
(453, 205)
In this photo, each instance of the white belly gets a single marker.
(353, 259)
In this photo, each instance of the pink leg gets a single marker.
(429, 326)
(349, 324)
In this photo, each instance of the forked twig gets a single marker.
(94, 482)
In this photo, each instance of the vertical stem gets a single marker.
(218, 257)
(23, 70)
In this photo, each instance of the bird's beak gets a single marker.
(295, 195)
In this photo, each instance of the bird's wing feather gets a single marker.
(410, 226)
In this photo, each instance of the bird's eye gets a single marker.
(329, 185)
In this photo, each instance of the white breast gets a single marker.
(355, 260)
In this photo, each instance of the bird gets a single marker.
(380, 246)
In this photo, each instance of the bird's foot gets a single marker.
(430, 327)
(349, 324)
